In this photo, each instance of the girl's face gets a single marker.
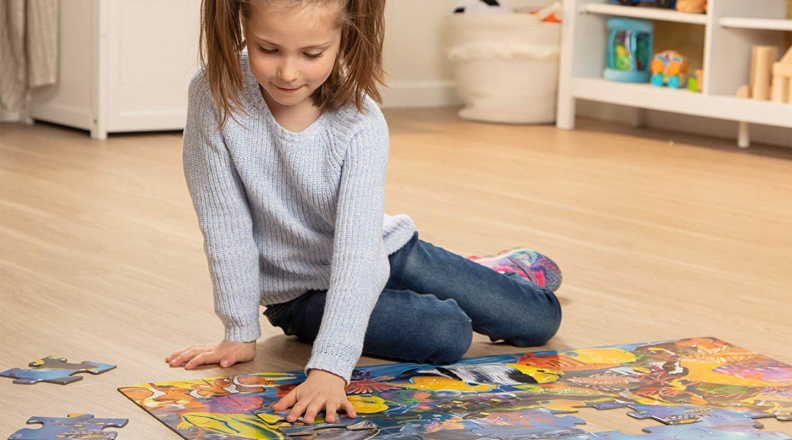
(292, 52)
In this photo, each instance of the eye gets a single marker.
(267, 50)
(314, 56)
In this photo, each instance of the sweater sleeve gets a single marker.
(224, 218)
(360, 266)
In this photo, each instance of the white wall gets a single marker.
(415, 43)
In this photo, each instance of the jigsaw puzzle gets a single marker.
(74, 426)
(701, 388)
(55, 369)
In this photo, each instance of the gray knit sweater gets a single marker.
(283, 213)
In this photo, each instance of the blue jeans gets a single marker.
(433, 302)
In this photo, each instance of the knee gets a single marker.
(449, 338)
(538, 326)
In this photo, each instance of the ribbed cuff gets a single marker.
(340, 366)
(244, 333)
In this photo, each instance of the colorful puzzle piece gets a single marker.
(704, 388)
(74, 426)
(55, 369)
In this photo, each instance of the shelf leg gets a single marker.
(565, 115)
(639, 119)
(744, 135)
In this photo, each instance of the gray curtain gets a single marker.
(28, 48)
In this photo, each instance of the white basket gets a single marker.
(506, 67)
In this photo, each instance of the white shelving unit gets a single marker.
(732, 28)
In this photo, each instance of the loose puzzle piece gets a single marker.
(74, 426)
(55, 369)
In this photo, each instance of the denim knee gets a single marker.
(448, 339)
(537, 326)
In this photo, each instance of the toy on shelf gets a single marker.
(666, 4)
(692, 6)
(629, 49)
(695, 83)
(782, 79)
(770, 80)
(670, 68)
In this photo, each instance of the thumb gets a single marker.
(228, 360)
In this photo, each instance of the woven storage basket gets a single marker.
(506, 67)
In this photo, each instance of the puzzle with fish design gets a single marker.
(700, 388)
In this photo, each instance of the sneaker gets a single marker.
(535, 267)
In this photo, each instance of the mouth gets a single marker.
(288, 90)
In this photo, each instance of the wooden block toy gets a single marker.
(782, 79)
(762, 70)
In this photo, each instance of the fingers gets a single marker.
(203, 358)
(184, 357)
(286, 402)
(330, 411)
(297, 410)
(349, 409)
(176, 354)
(313, 409)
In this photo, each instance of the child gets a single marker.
(285, 152)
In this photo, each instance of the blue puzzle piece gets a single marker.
(55, 369)
(74, 426)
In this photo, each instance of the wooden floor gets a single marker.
(101, 257)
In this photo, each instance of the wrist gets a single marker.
(326, 376)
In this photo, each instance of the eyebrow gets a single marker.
(316, 46)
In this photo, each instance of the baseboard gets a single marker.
(420, 94)
(674, 122)
(8, 116)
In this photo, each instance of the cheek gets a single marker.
(321, 70)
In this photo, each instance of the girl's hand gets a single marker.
(226, 353)
(321, 390)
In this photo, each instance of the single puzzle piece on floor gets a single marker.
(75, 426)
(55, 369)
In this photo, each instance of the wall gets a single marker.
(415, 55)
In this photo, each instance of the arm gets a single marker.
(360, 270)
(360, 266)
(224, 218)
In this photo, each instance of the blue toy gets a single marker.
(630, 44)
(666, 4)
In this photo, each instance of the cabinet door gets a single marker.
(149, 55)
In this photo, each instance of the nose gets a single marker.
(288, 71)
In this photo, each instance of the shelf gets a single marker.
(757, 23)
(683, 101)
(649, 13)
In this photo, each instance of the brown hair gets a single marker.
(357, 70)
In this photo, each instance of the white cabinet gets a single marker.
(125, 66)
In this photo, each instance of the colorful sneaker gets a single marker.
(536, 267)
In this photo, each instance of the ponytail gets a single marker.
(220, 42)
